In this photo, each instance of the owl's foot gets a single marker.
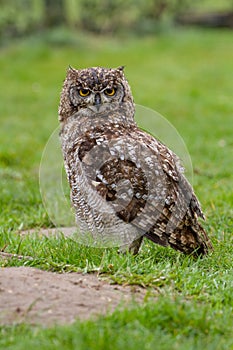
(133, 248)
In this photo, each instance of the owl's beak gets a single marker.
(97, 101)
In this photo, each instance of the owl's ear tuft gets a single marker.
(71, 69)
(121, 68)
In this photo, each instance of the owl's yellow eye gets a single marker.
(84, 92)
(110, 92)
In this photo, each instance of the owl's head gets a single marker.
(94, 90)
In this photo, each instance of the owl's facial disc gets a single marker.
(101, 98)
(95, 90)
(96, 98)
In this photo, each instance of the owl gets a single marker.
(125, 185)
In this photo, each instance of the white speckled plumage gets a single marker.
(124, 183)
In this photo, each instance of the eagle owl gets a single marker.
(124, 183)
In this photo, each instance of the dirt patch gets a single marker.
(40, 297)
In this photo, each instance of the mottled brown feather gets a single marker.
(132, 172)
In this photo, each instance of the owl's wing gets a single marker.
(173, 168)
(177, 224)
(143, 182)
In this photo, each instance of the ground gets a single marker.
(40, 297)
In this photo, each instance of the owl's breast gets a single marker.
(122, 170)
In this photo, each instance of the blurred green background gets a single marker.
(22, 17)
(181, 71)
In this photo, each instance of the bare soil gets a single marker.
(40, 297)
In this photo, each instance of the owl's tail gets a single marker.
(188, 239)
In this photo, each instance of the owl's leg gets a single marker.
(133, 247)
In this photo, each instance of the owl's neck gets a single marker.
(86, 119)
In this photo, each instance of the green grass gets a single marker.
(186, 76)
(167, 324)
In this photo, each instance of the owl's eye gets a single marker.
(110, 92)
(84, 92)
